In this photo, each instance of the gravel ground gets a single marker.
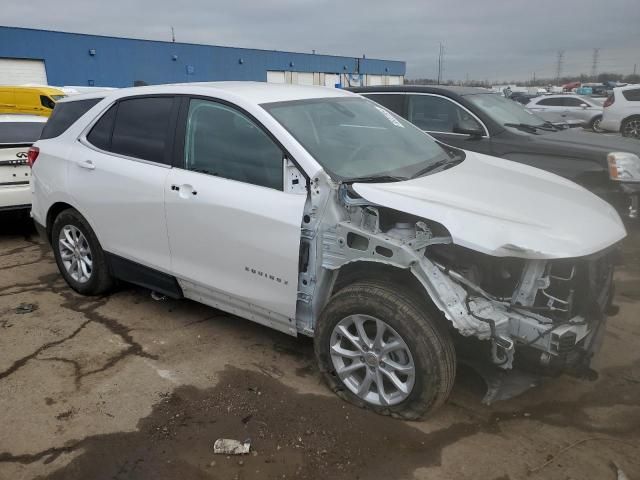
(125, 387)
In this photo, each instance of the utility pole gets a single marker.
(559, 65)
(594, 63)
(440, 63)
(173, 35)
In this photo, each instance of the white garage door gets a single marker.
(305, 78)
(275, 77)
(19, 72)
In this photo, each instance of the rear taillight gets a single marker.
(609, 101)
(32, 155)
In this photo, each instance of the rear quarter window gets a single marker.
(64, 115)
(632, 95)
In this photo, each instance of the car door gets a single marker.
(574, 108)
(448, 121)
(549, 104)
(234, 233)
(117, 177)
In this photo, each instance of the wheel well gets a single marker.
(629, 118)
(364, 270)
(53, 212)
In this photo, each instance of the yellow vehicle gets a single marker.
(29, 100)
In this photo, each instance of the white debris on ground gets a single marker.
(226, 446)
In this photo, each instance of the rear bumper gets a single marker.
(15, 197)
(610, 124)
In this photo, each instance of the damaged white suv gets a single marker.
(317, 212)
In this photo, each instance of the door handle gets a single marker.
(184, 190)
(88, 164)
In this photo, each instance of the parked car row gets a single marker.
(322, 213)
(319, 212)
(476, 119)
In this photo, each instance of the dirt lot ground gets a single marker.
(125, 387)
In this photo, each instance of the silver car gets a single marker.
(569, 106)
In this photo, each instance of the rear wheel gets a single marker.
(595, 124)
(631, 127)
(78, 253)
(378, 348)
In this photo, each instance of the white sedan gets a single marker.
(17, 134)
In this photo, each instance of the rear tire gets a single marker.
(595, 124)
(423, 364)
(78, 253)
(631, 127)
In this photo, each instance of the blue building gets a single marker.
(73, 59)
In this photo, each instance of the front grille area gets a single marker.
(579, 286)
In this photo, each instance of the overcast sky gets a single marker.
(484, 39)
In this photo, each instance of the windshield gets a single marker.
(503, 110)
(57, 97)
(355, 138)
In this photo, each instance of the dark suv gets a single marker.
(478, 120)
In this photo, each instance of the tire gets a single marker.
(430, 349)
(631, 127)
(595, 124)
(86, 249)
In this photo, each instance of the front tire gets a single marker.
(378, 348)
(78, 253)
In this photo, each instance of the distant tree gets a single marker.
(632, 78)
(609, 77)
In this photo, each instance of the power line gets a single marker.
(594, 63)
(440, 63)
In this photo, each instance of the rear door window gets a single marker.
(572, 102)
(141, 128)
(64, 115)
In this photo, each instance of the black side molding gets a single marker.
(147, 277)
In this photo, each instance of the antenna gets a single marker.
(559, 65)
(594, 63)
(173, 35)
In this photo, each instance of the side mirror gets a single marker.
(584, 106)
(472, 131)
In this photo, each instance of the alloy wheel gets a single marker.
(75, 253)
(372, 360)
(632, 128)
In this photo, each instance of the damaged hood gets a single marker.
(504, 208)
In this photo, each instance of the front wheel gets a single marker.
(378, 348)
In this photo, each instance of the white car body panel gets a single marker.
(237, 239)
(621, 109)
(128, 213)
(15, 174)
(504, 208)
(585, 114)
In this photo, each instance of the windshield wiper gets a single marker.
(378, 178)
(522, 126)
(447, 162)
(204, 170)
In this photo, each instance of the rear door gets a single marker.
(117, 176)
(234, 232)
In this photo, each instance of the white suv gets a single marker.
(318, 212)
(622, 111)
